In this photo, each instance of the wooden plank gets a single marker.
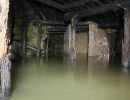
(74, 21)
(37, 10)
(39, 39)
(98, 10)
(45, 23)
(52, 4)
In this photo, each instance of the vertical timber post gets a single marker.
(126, 41)
(39, 38)
(24, 30)
(24, 39)
(91, 41)
(87, 46)
(5, 64)
(72, 43)
(67, 40)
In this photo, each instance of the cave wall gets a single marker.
(81, 43)
(5, 63)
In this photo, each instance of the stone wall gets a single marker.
(96, 45)
(81, 43)
(98, 42)
(67, 40)
(56, 44)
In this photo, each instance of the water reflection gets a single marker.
(60, 79)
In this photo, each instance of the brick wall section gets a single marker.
(81, 43)
(98, 43)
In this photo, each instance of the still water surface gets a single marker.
(82, 81)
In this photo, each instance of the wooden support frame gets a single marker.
(47, 23)
(101, 9)
(52, 4)
(74, 22)
(112, 25)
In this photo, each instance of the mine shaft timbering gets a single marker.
(16, 18)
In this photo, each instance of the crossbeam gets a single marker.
(52, 23)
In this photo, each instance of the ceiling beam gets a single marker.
(79, 3)
(98, 10)
(52, 4)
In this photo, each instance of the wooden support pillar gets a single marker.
(69, 39)
(92, 41)
(126, 41)
(22, 9)
(72, 54)
(39, 39)
(5, 64)
(24, 39)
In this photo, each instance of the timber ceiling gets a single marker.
(101, 11)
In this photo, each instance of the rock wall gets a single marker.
(81, 43)
(98, 42)
(5, 64)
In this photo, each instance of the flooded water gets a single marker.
(56, 80)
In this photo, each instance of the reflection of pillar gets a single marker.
(5, 63)
(126, 42)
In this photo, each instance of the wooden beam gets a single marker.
(98, 10)
(74, 22)
(46, 23)
(24, 30)
(24, 37)
(52, 4)
(39, 39)
(37, 10)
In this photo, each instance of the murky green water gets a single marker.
(58, 81)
